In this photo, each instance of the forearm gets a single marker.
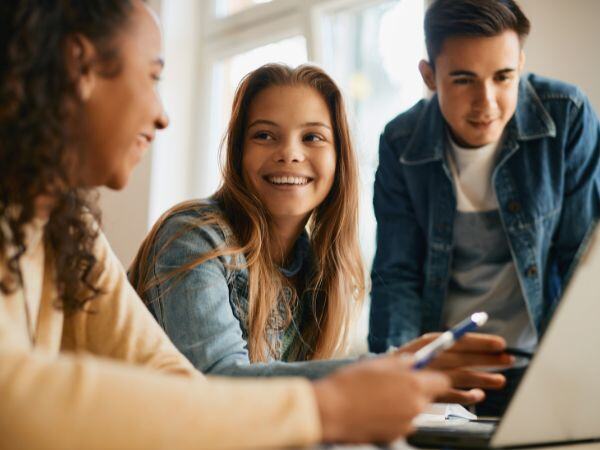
(308, 369)
(75, 402)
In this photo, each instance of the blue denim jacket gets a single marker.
(204, 312)
(547, 186)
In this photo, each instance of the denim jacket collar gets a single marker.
(531, 121)
(299, 254)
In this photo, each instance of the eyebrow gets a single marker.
(269, 122)
(316, 124)
(468, 73)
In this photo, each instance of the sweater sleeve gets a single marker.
(117, 325)
(74, 402)
(114, 393)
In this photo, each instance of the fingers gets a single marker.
(416, 344)
(453, 359)
(480, 343)
(474, 379)
(468, 397)
(433, 384)
(394, 361)
(469, 343)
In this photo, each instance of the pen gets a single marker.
(448, 338)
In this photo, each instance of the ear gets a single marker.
(80, 56)
(428, 74)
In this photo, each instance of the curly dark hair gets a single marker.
(39, 149)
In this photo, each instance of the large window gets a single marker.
(370, 47)
(227, 73)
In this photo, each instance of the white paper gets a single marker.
(441, 412)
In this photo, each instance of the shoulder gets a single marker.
(193, 227)
(404, 124)
(549, 90)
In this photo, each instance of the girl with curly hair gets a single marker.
(82, 362)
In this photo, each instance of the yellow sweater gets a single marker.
(113, 380)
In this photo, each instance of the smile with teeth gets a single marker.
(288, 180)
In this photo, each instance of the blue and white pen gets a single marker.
(448, 338)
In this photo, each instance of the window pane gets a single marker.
(373, 53)
(228, 7)
(227, 74)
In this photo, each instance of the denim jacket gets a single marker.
(205, 311)
(547, 183)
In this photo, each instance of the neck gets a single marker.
(286, 231)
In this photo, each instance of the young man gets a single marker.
(484, 193)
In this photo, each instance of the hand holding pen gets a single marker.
(464, 362)
(448, 338)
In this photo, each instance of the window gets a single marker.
(373, 52)
(228, 72)
(225, 8)
(372, 49)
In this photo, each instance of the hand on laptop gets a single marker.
(463, 363)
(376, 399)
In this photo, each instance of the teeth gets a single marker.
(288, 180)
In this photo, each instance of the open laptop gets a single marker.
(558, 399)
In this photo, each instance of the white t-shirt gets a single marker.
(483, 274)
(472, 172)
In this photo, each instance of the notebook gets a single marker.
(440, 412)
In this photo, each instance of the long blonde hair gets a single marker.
(338, 281)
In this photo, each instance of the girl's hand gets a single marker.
(464, 362)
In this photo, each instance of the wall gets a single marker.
(125, 213)
(563, 44)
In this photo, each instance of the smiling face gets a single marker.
(289, 155)
(122, 113)
(477, 82)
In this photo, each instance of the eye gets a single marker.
(313, 137)
(462, 81)
(263, 136)
(503, 77)
(156, 77)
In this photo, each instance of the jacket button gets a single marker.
(514, 207)
(532, 271)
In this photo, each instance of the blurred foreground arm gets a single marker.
(375, 400)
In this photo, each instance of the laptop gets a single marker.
(558, 399)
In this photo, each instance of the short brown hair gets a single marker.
(477, 18)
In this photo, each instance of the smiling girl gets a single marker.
(263, 278)
(269, 268)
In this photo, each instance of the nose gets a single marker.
(485, 96)
(289, 151)
(162, 119)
